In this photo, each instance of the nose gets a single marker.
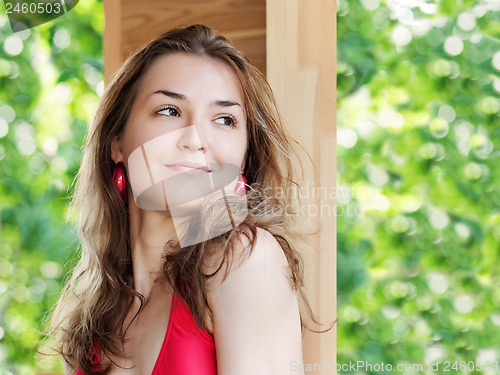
(190, 140)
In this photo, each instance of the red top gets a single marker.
(186, 349)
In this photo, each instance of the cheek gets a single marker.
(230, 149)
(149, 137)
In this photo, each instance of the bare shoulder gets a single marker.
(256, 318)
(265, 259)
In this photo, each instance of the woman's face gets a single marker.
(186, 135)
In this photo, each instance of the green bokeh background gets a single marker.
(418, 193)
(418, 182)
(50, 80)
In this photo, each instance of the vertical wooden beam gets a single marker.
(112, 38)
(130, 24)
(301, 55)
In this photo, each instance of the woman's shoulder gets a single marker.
(257, 291)
(248, 261)
(242, 247)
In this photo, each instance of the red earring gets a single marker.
(241, 187)
(119, 180)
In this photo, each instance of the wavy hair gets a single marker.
(100, 291)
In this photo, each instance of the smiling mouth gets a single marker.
(189, 170)
(188, 165)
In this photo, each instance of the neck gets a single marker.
(149, 232)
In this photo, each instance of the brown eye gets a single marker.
(168, 111)
(226, 121)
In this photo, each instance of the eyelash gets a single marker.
(162, 108)
(233, 121)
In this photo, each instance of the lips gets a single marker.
(186, 166)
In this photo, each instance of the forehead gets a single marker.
(194, 76)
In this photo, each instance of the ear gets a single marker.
(116, 150)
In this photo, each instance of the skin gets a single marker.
(255, 313)
(196, 129)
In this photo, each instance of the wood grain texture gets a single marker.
(112, 38)
(133, 24)
(301, 55)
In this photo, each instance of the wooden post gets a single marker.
(129, 24)
(301, 68)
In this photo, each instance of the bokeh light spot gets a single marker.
(489, 105)
(401, 35)
(378, 176)
(51, 270)
(63, 93)
(462, 230)
(421, 26)
(447, 112)
(370, 4)
(466, 21)
(62, 39)
(346, 137)
(400, 224)
(344, 194)
(495, 60)
(390, 312)
(428, 150)
(391, 119)
(464, 304)
(437, 283)
(439, 127)
(7, 113)
(13, 45)
(50, 146)
(351, 314)
(438, 219)
(472, 171)
(4, 68)
(453, 45)
(25, 140)
(4, 128)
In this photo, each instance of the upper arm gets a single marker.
(255, 313)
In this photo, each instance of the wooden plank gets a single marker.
(301, 55)
(112, 38)
(132, 24)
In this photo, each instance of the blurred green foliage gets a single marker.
(50, 79)
(418, 192)
(418, 157)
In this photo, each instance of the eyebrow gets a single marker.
(174, 95)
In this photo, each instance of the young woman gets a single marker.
(183, 196)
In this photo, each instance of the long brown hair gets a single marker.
(100, 292)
